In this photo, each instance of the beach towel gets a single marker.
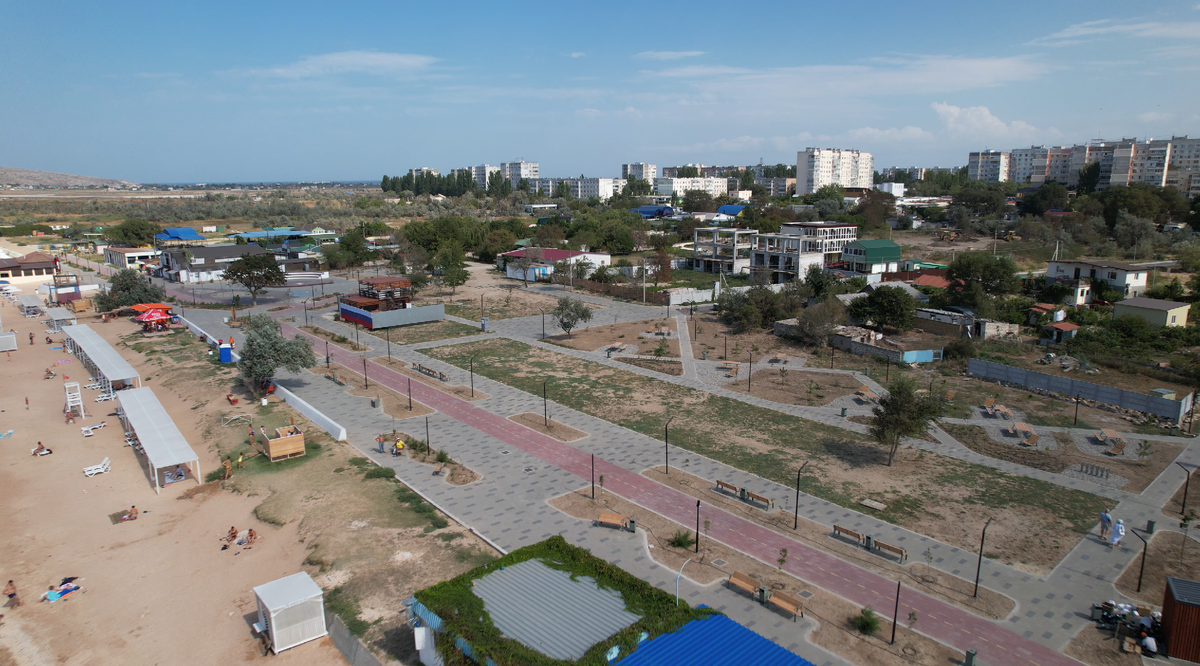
(60, 362)
(56, 347)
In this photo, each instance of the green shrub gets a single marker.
(360, 462)
(380, 473)
(214, 475)
(442, 456)
(959, 349)
(867, 621)
(344, 605)
(682, 539)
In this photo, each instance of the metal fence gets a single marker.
(1172, 409)
(351, 648)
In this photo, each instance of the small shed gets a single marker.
(291, 611)
(288, 443)
(1181, 618)
(1059, 331)
(8, 342)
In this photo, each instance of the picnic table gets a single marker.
(1020, 427)
(1109, 433)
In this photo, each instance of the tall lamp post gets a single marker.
(1186, 482)
(697, 526)
(473, 375)
(1142, 569)
(545, 406)
(543, 324)
(796, 525)
(979, 565)
(666, 450)
(303, 304)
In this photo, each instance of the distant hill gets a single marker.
(27, 177)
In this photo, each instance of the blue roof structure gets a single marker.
(270, 233)
(709, 642)
(653, 211)
(730, 209)
(178, 233)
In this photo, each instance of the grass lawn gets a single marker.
(427, 332)
(936, 495)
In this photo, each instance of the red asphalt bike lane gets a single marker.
(948, 624)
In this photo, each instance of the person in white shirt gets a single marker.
(1118, 533)
(1149, 645)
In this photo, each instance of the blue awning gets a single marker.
(709, 642)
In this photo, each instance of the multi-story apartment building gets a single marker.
(989, 166)
(1186, 180)
(777, 187)
(1081, 274)
(722, 250)
(1058, 165)
(669, 186)
(782, 257)
(818, 167)
(515, 171)
(640, 171)
(703, 170)
(1185, 153)
(1140, 162)
(1028, 165)
(421, 171)
(581, 188)
(481, 174)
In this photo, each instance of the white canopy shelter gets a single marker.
(291, 610)
(105, 364)
(60, 317)
(8, 342)
(30, 306)
(147, 423)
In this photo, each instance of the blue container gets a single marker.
(226, 353)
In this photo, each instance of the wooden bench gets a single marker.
(732, 372)
(437, 469)
(744, 582)
(987, 404)
(759, 498)
(725, 365)
(788, 603)
(722, 485)
(1117, 449)
(898, 551)
(1034, 438)
(610, 519)
(838, 530)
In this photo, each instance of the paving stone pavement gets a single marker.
(1085, 575)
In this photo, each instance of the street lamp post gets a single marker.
(410, 394)
(387, 333)
(428, 443)
(545, 406)
(1142, 569)
(366, 384)
(796, 524)
(979, 565)
(697, 526)
(326, 353)
(677, 579)
(1186, 482)
(543, 324)
(666, 449)
(1076, 409)
(473, 375)
(749, 371)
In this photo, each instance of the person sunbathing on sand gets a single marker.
(38, 451)
(232, 535)
(251, 537)
(131, 514)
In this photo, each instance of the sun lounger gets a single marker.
(44, 452)
(106, 396)
(102, 468)
(88, 431)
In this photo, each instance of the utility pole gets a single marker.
(895, 613)
(796, 525)
(979, 565)
(666, 444)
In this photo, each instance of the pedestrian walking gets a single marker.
(1118, 533)
(240, 465)
(31, 338)
(379, 441)
(250, 434)
(10, 591)
(1105, 524)
(228, 468)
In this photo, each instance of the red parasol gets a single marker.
(151, 316)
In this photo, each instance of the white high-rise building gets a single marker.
(640, 171)
(1029, 165)
(515, 171)
(481, 173)
(669, 186)
(818, 167)
(581, 188)
(989, 166)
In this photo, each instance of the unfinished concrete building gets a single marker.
(782, 257)
(722, 250)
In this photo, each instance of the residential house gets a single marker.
(29, 265)
(1045, 310)
(826, 238)
(1082, 274)
(1059, 332)
(906, 288)
(130, 257)
(1158, 313)
(871, 256)
(202, 264)
(721, 250)
(172, 236)
(543, 266)
(318, 234)
(961, 325)
(930, 280)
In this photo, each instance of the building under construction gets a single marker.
(383, 302)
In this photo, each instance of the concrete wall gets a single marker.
(860, 348)
(389, 318)
(939, 327)
(683, 295)
(1172, 409)
(323, 422)
(352, 649)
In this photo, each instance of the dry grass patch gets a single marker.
(674, 368)
(402, 367)
(551, 428)
(640, 334)
(793, 386)
(1169, 554)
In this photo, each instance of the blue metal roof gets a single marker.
(730, 209)
(179, 233)
(653, 211)
(708, 642)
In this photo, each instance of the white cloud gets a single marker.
(906, 133)
(346, 62)
(576, 54)
(589, 113)
(978, 122)
(667, 55)
(1078, 33)
(1153, 116)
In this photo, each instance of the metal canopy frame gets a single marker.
(143, 416)
(105, 364)
(60, 318)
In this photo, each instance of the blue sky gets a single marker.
(211, 92)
